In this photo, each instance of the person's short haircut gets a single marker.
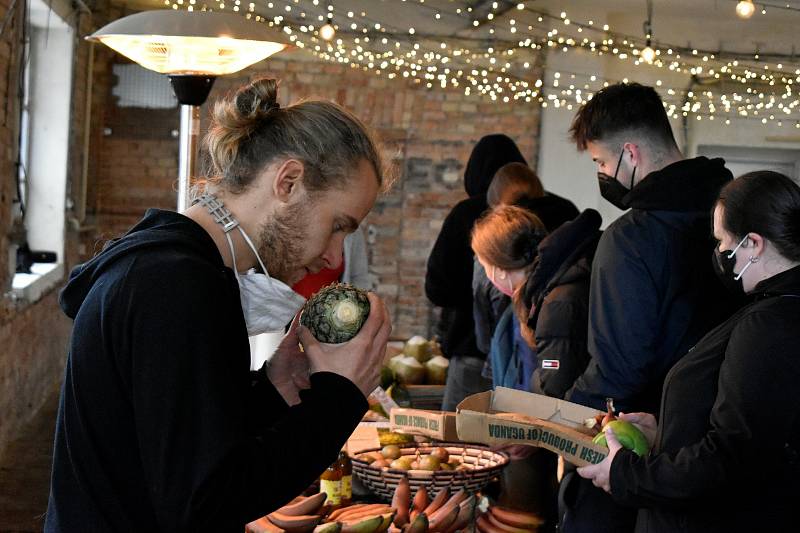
(512, 182)
(623, 108)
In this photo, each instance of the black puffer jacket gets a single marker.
(727, 454)
(653, 291)
(557, 293)
(448, 279)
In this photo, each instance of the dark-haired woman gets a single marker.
(726, 450)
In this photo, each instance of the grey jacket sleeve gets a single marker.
(356, 267)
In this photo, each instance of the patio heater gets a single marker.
(192, 48)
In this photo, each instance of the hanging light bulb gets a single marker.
(745, 9)
(327, 31)
(648, 54)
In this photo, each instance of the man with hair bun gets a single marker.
(653, 292)
(161, 425)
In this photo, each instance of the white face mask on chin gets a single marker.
(268, 304)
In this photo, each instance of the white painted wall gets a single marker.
(567, 172)
(51, 61)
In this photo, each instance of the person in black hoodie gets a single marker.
(448, 278)
(726, 447)
(653, 295)
(161, 425)
(513, 184)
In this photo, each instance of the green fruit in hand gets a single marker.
(336, 313)
(627, 434)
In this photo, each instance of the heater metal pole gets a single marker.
(190, 131)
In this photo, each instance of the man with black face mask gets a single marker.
(653, 290)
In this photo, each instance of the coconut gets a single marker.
(436, 369)
(408, 370)
(336, 313)
(418, 348)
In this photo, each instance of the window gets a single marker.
(39, 209)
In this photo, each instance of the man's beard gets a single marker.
(281, 239)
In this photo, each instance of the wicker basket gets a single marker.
(483, 463)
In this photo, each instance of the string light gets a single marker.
(745, 9)
(327, 31)
(648, 54)
(504, 69)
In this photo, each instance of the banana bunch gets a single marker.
(503, 520)
(445, 513)
(359, 518)
(301, 515)
(306, 515)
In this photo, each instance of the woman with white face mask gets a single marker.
(725, 450)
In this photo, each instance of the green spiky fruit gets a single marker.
(336, 313)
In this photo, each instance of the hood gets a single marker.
(688, 185)
(783, 284)
(491, 153)
(551, 209)
(560, 251)
(157, 229)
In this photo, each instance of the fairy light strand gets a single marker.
(505, 69)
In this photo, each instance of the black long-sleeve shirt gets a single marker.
(161, 425)
(727, 454)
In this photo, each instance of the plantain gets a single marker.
(329, 527)
(518, 519)
(305, 506)
(295, 524)
(401, 502)
(441, 497)
(366, 525)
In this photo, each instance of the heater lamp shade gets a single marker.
(190, 42)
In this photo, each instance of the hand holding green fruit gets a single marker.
(627, 434)
(336, 313)
(359, 359)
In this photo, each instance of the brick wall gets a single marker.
(33, 336)
(427, 138)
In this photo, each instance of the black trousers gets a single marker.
(585, 508)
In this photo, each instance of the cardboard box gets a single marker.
(364, 437)
(439, 425)
(507, 416)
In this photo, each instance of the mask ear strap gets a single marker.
(619, 162)
(233, 255)
(252, 247)
(741, 273)
(733, 252)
